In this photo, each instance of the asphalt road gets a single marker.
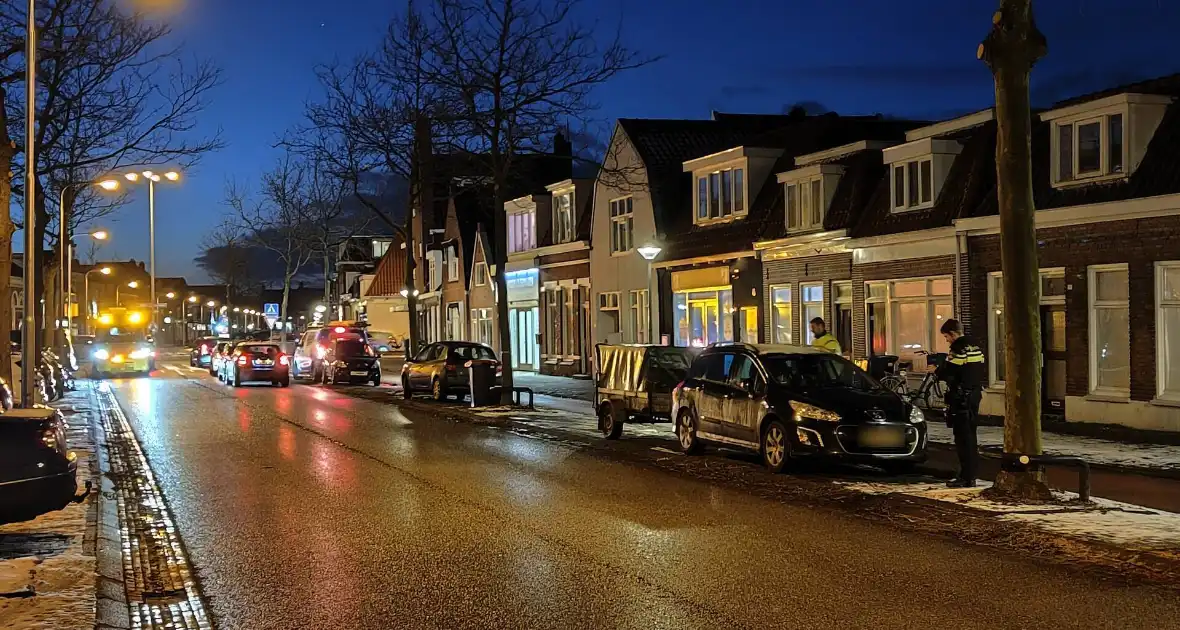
(308, 508)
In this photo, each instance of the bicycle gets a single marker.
(930, 393)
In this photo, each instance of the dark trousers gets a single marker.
(962, 412)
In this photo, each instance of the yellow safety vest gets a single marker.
(826, 342)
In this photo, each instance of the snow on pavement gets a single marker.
(1123, 525)
(1093, 450)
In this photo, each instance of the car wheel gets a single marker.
(436, 390)
(406, 392)
(776, 446)
(686, 432)
(611, 425)
(377, 380)
(286, 382)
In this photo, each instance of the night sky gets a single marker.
(909, 58)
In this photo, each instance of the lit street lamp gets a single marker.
(67, 284)
(649, 253)
(152, 178)
(106, 271)
(65, 244)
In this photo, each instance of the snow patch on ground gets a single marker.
(1111, 522)
(1093, 450)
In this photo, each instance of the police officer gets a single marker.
(823, 339)
(963, 371)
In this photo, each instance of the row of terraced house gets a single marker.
(744, 227)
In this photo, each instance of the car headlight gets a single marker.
(916, 415)
(804, 410)
(101, 354)
(141, 353)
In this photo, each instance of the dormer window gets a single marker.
(913, 184)
(807, 193)
(917, 171)
(1104, 139)
(721, 194)
(1089, 148)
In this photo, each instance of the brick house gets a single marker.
(639, 199)
(481, 292)
(1106, 181)
(563, 261)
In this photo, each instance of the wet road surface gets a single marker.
(307, 508)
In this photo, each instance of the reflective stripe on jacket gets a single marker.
(826, 342)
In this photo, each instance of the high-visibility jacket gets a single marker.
(964, 367)
(826, 342)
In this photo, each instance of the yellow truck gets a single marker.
(122, 343)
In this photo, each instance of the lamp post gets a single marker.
(68, 277)
(32, 247)
(65, 243)
(152, 178)
(649, 253)
(130, 285)
(106, 271)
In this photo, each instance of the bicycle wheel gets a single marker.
(895, 384)
(935, 396)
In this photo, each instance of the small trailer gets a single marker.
(634, 383)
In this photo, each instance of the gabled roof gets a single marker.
(1168, 85)
(390, 276)
(765, 218)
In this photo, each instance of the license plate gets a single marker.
(360, 373)
(881, 437)
(263, 363)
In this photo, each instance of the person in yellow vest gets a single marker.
(824, 340)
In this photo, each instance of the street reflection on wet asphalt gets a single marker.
(304, 507)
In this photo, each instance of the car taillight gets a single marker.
(242, 360)
(283, 360)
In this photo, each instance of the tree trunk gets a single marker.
(283, 307)
(7, 229)
(1010, 50)
(501, 257)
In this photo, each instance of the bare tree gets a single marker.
(517, 71)
(1010, 50)
(277, 220)
(110, 94)
(227, 257)
(328, 218)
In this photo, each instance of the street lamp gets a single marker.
(170, 295)
(152, 178)
(106, 271)
(65, 242)
(68, 278)
(649, 253)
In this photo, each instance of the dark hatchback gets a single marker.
(253, 361)
(37, 470)
(441, 368)
(351, 361)
(201, 352)
(790, 402)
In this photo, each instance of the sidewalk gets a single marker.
(47, 565)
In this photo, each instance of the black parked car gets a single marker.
(37, 471)
(787, 402)
(256, 361)
(351, 361)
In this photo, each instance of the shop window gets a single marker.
(780, 310)
(703, 317)
(1110, 336)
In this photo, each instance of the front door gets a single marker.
(1053, 361)
(742, 405)
(523, 329)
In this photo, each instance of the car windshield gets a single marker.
(817, 371)
(115, 334)
(351, 348)
(473, 352)
(261, 351)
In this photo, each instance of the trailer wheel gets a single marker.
(610, 422)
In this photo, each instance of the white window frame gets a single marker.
(806, 216)
(608, 302)
(481, 317)
(481, 274)
(774, 313)
(563, 219)
(995, 309)
(905, 166)
(639, 310)
(1092, 306)
(457, 322)
(622, 223)
(735, 212)
(1103, 173)
(531, 243)
(891, 300)
(805, 321)
(1161, 359)
(452, 259)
